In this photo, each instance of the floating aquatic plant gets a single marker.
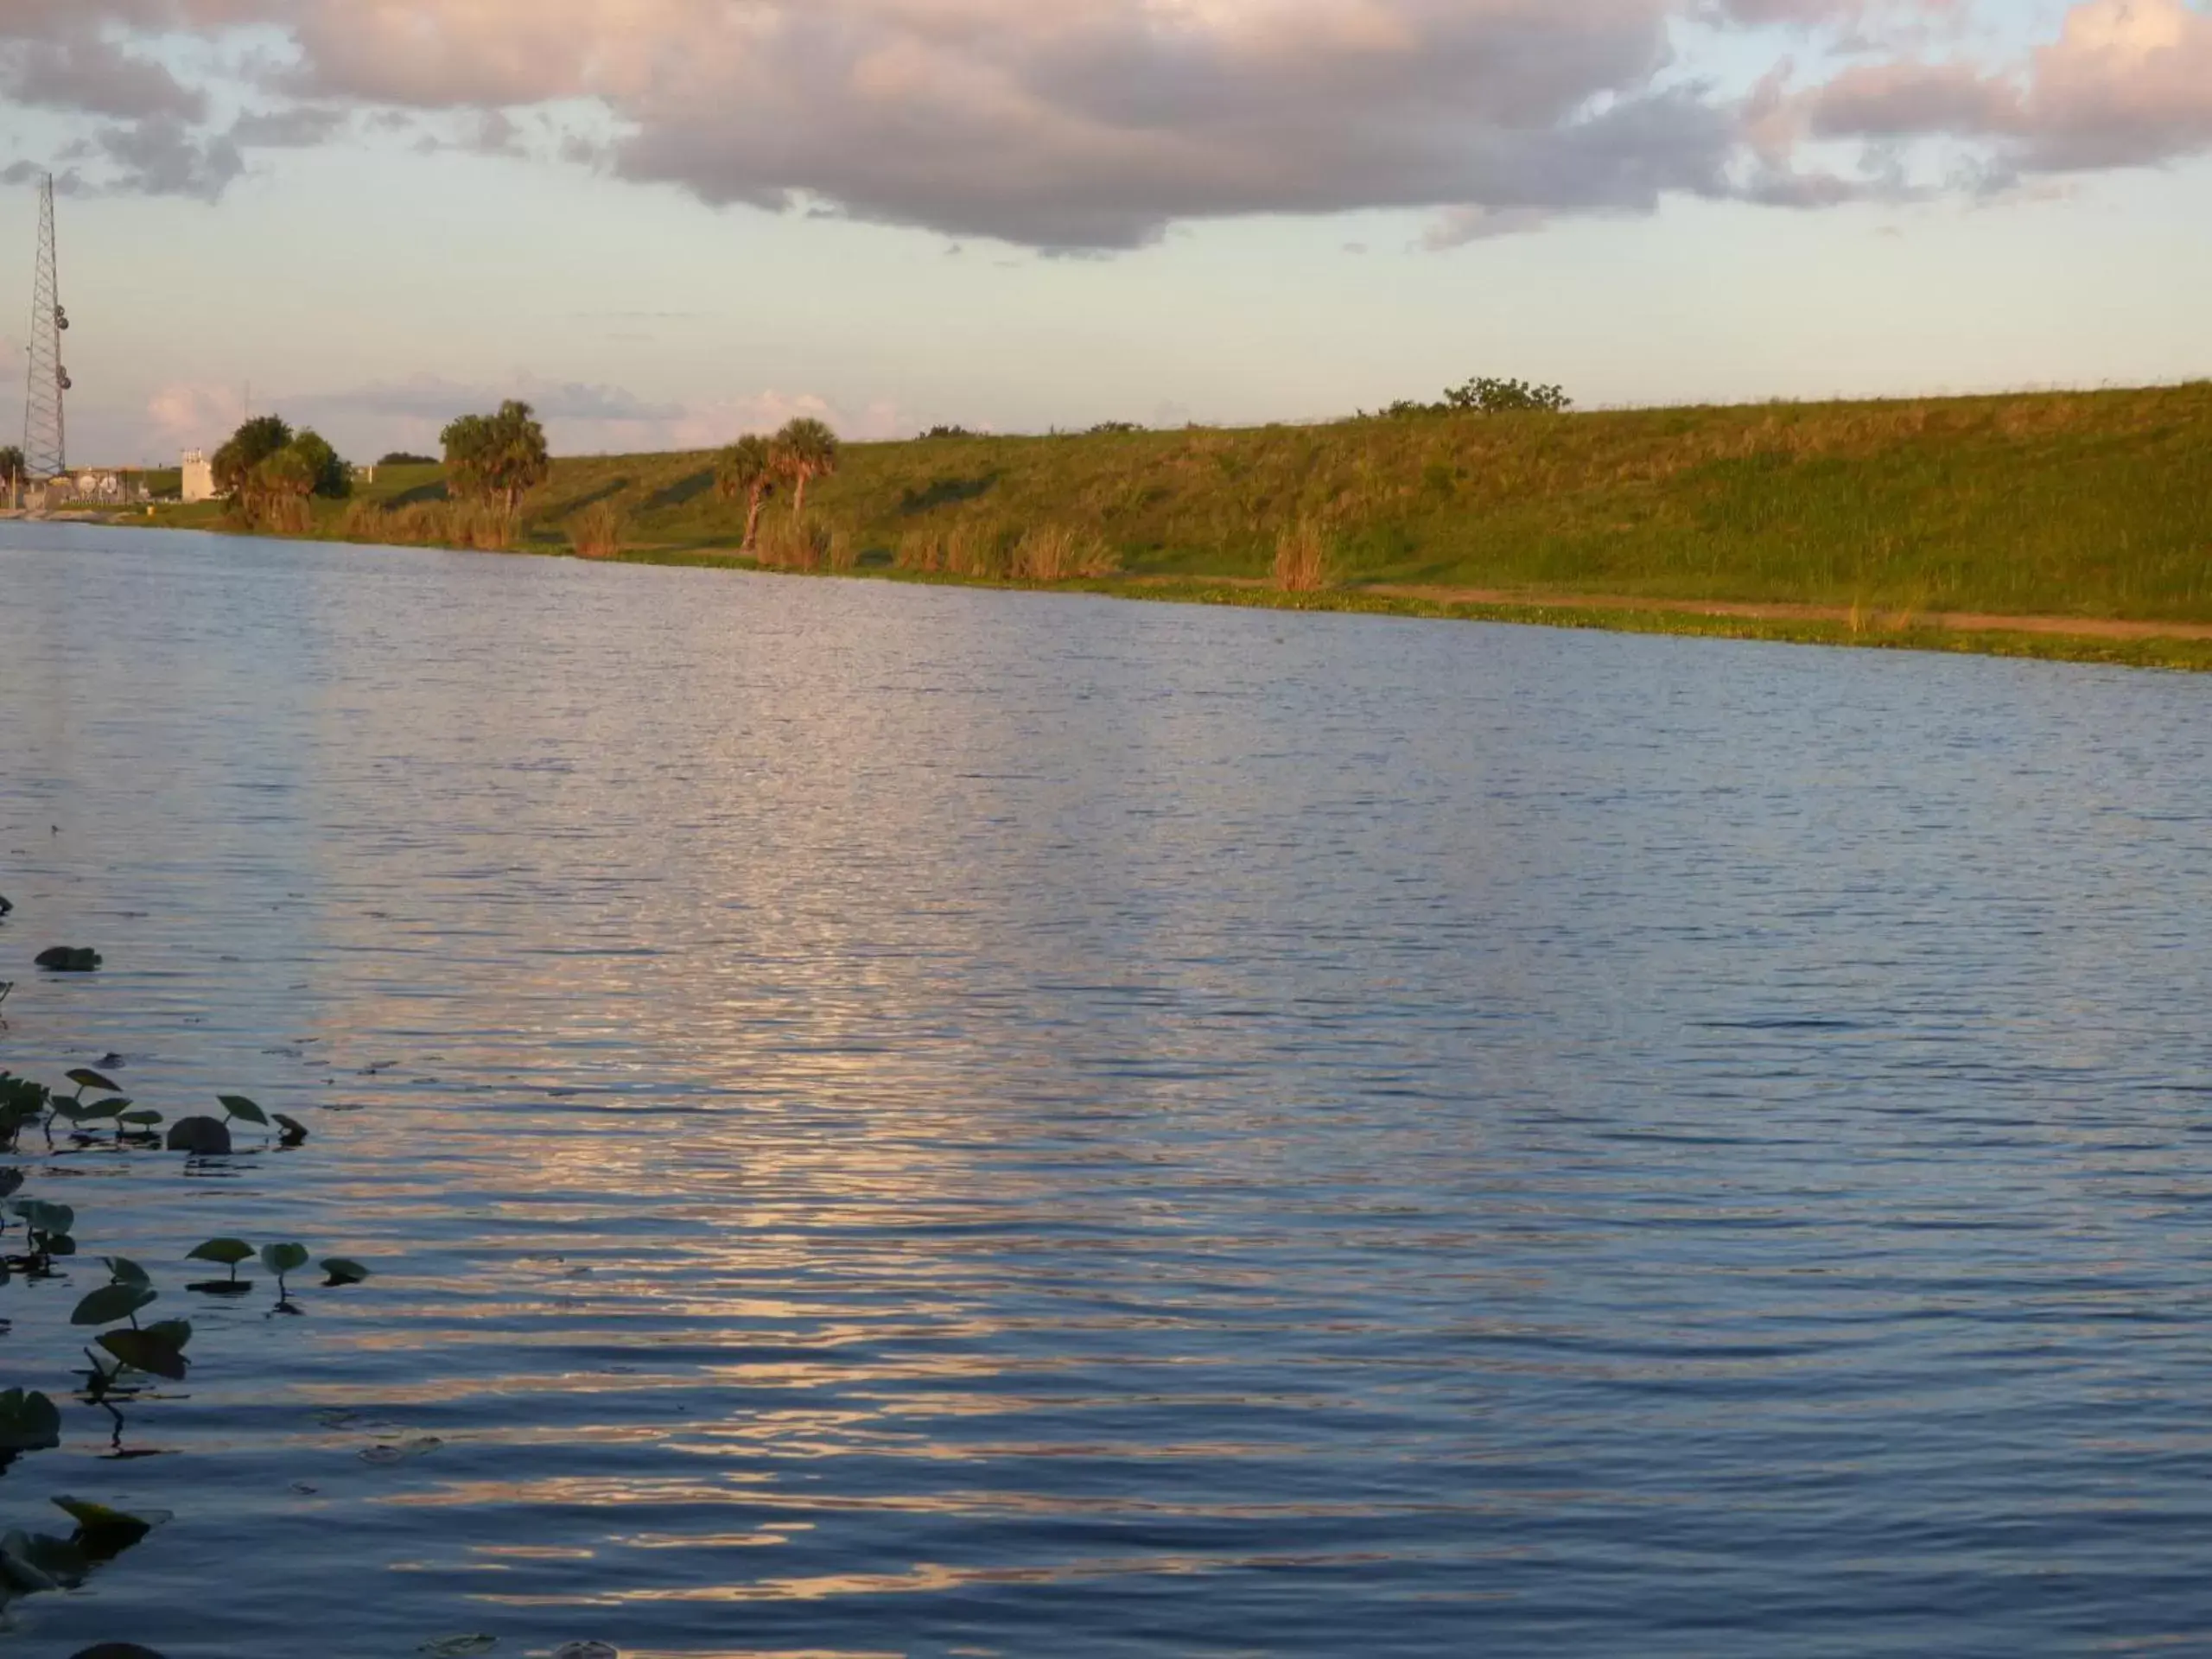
(30, 1421)
(280, 1259)
(223, 1253)
(238, 1108)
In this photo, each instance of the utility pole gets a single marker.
(46, 437)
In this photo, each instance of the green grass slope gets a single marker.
(2091, 504)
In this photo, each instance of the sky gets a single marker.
(668, 222)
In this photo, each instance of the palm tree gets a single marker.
(748, 468)
(806, 450)
(498, 456)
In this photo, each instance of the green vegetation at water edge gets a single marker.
(2089, 504)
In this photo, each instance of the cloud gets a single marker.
(184, 416)
(1082, 126)
(1078, 125)
(2127, 83)
(161, 156)
(302, 126)
(81, 70)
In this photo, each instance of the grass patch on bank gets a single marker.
(2095, 506)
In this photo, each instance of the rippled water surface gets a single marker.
(934, 1123)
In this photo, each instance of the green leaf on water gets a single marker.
(60, 1244)
(459, 1647)
(27, 1564)
(284, 1258)
(225, 1252)
(84, 1077)
(114, 1107)
(29, 1421)
(124, 1271)
(113, 1528)
(46, 1217)
(293, 1131)
(343, 1271)
(144, 1352)
(143, 1118)
(176, 1332)
(243, 1109)
(110, 1303)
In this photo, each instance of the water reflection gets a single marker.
(929, 1123)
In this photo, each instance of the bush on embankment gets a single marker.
(2092, 504)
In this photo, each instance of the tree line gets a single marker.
(269, 473)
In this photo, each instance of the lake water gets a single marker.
(918, 1122)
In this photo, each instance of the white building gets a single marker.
(199, 477)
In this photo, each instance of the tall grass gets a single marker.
(995, 551)
(1302, 561)
(482, 526)
(792, 542)
(598, 531)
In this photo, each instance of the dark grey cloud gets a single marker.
(302, 126)
(162, 157)
(81, 71)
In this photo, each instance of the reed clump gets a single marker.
(1303, 557)
(990, 550)
(598, 530)
(484, 526)
(1060, 553)
(805, 545)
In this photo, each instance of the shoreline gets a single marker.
(2179, 647)
(2183, 647)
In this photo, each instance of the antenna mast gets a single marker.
(46, 445)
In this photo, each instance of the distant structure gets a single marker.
(199, 477)
(95, 487)
(46, 437)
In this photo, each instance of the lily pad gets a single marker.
(29, 1421)
(459, 1647)
(224, 1252)
(342, 1271)
(144, 1352)
(124, 1271)
(84, 1077)
(243, 1109)
(291, 1131)
(284, 1258)
(104, 1529)
(111, 1302)
(33, 1562)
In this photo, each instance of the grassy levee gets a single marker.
(2091, 506)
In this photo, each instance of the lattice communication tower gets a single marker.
(46, 433)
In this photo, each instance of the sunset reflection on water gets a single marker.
(932, 1123)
